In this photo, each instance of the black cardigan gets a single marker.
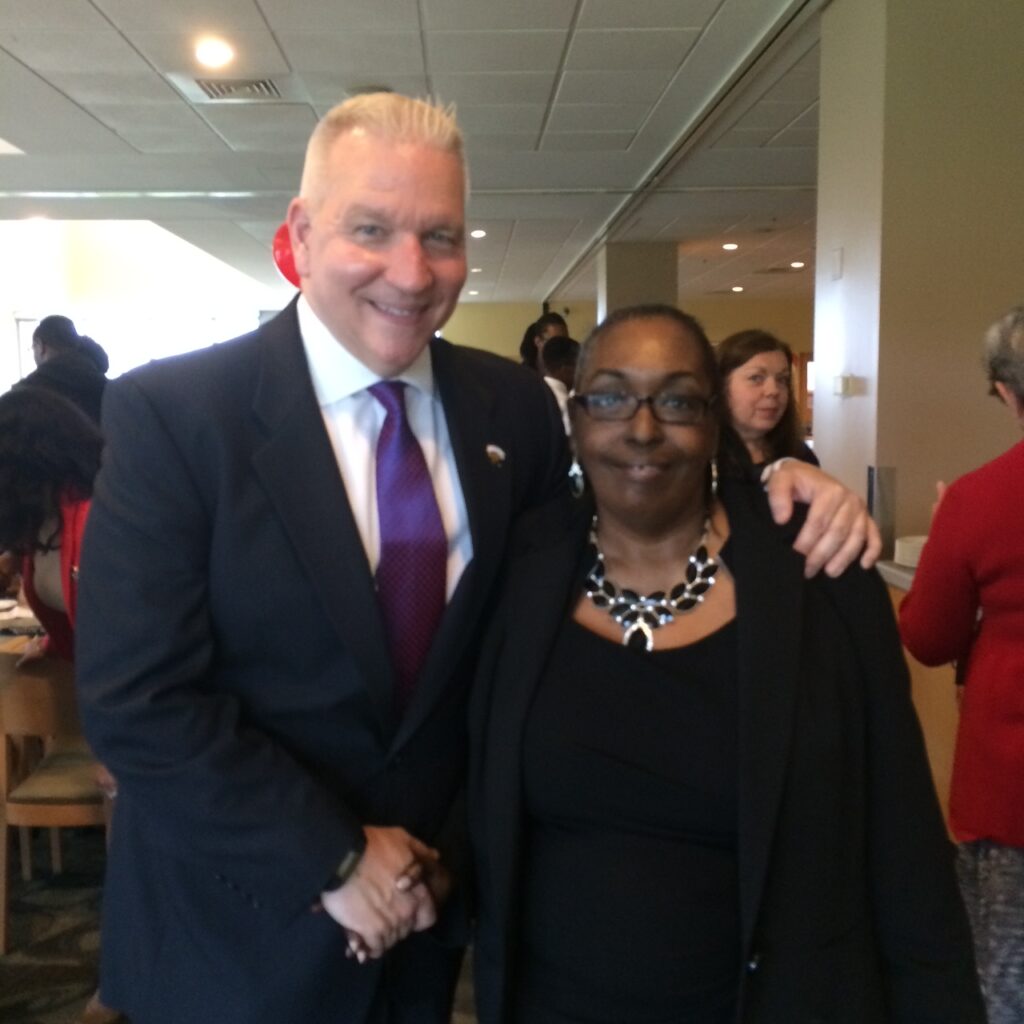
(849, 907)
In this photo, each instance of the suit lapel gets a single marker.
(300, 474)
(769, 594)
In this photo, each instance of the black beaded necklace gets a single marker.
(640, 615)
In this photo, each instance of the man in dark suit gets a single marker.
(288, 787)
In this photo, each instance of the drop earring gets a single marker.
(577, 481)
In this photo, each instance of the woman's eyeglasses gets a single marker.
(666, 406)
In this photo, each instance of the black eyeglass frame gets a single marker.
(632, 403)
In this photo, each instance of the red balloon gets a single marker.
(284, 258)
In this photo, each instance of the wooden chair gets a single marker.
(58, 789)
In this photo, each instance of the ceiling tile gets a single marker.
(592, 117)
(70, 15)
(183, 16)
(484, 142)
(494, 51)
(326, 88)
(475, 14)
(770, 115)
(498, 88)
(647, 13)
(71, 51)
(543, 230)
(262, 126)
(526, 119)
(640, 86)
(626, 49)
(363, 53)
(146, 88)
(257, 54)
(585, 142)
(360, 15)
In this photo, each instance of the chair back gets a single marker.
(37, 699)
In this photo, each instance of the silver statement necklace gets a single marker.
(640, 616)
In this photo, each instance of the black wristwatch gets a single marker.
(344, 871)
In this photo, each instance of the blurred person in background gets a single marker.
(69, 363)
(556, 362)
(763, 422)
(49, 457)
(966, 604)
(548, 325)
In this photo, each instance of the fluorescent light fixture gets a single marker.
(730, 246)
(479, 233)
(214, 53)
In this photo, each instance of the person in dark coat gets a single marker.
(69, 363)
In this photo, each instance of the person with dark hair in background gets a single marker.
(763, 422)
(49, 457)
(698, 790)
(69, 363)
(966, 604)
(556, 362)
(548, 325)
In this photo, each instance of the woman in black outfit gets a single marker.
(711, 804)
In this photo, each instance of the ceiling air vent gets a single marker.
(279, 89)
(239, 88)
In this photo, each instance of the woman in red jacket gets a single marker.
(967, 605)
(49, 456)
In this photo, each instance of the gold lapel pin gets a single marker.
(496, 454)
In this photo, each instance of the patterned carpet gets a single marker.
(50, 972)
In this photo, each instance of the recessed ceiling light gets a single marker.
(737, 287)
(474, 293)
(729, 246)
(214, 53)
(476, 270)
(479, 233)
(798, 264)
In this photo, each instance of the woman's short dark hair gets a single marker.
(655, 311)
(49, 450)
(59, 333)
(528, 346)
(1004, 352)
(786, 437)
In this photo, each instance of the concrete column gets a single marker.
(920, 238)
(629, 273)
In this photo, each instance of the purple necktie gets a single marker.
(413, 565)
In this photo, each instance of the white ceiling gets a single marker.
(692, 121)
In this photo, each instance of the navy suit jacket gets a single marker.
(234, 675)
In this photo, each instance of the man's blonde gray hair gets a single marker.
(384, 115)
(1004, 351)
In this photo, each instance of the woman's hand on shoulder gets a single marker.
(838, 527)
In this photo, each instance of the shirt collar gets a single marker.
(337, 373)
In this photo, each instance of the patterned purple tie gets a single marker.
(413, 563)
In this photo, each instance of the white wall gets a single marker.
(140, 291)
